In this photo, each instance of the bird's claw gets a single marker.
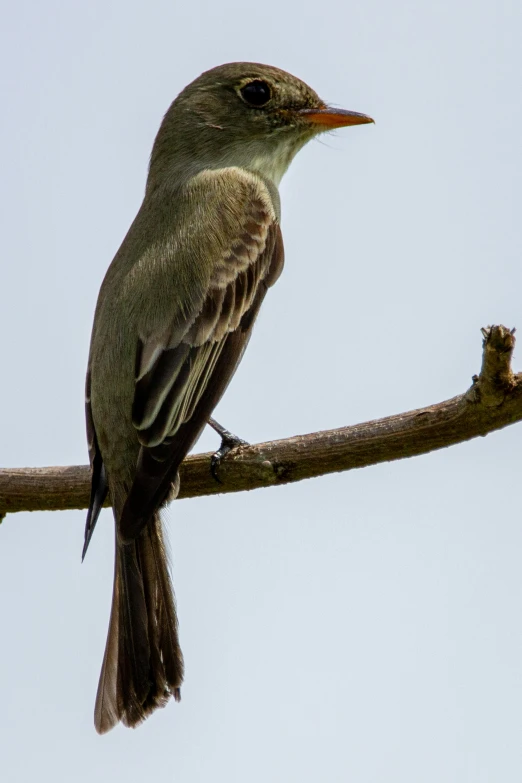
(228, 443)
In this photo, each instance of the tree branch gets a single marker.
(493, 401)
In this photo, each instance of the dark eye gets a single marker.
(256, 93)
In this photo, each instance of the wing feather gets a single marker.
(151, 390)
(99, 485)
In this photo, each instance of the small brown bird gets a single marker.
(174, 315)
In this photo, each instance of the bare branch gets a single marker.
(493, 401)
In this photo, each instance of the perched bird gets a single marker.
(174, 315)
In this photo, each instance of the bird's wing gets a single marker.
(182, 371)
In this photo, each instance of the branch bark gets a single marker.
(494, 401)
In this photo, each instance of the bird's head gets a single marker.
(242, 114)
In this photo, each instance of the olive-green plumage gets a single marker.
(173, 318)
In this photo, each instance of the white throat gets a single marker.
(270, 161)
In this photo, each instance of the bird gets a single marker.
(173, 317)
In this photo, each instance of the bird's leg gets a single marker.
(228, 442)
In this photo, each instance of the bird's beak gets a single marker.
(327, 117)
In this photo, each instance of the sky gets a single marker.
(365, 626)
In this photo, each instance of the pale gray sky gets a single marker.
(361, 627)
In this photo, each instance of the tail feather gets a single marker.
(143, 665)
(165, 630)
(106, 713)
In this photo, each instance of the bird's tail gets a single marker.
(143, 664)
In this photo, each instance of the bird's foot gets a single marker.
(229, 441)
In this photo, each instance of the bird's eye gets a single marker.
(256, 93)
